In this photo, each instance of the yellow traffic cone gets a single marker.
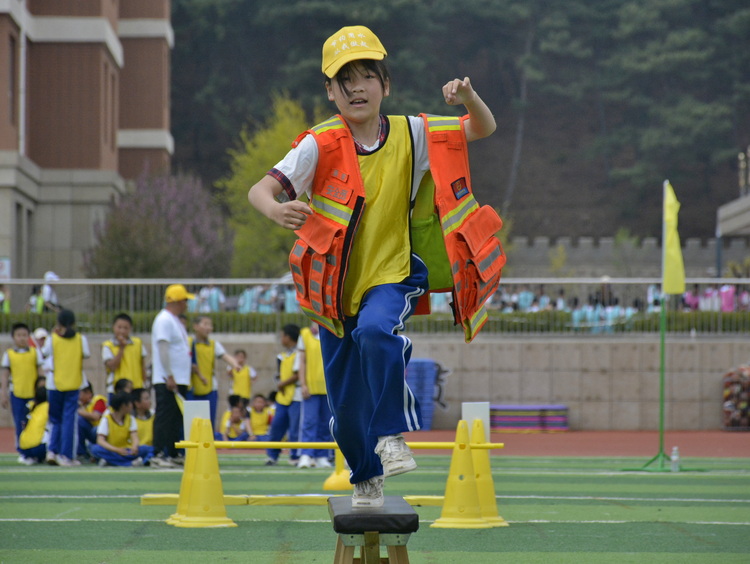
(187, 475)
(205, 496)
(483, 475)
(339, 479)
(461, 508)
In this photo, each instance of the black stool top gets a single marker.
(395, 517)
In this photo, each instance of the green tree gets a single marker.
(261, 247)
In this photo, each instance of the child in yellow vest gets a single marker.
(260, 418)
(238, 426)
(233, 400)
(354, 259)
(242, 379)
(288, 404)
(204, 385)
(91, 407)
(117, 436)
(33, 439)
(124, 355)
(20, 367)
(144, 418)
(65, 351)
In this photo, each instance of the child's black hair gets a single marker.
(234, 400)
(378, 68)
(125, 317)
(122, 384)
(118, 400)
(40, 396)
(16, 326)
(136, 394)
(88, 388)
(292, 331)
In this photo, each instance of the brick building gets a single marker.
(84, 107)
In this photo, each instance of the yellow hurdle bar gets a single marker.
(327, 445)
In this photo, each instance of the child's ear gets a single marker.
(386, 88)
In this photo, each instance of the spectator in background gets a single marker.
(20, 368)
(525, 298)
(65, 351)
(211, 299)
(692, 299)
(35, 303)
(242, 378)
(144, 418)
(206, 351)
(267, 299)
(260, 418)
(248, 300)
(316, 415)
(171, 374)
(561, 304)
(727, 295)
(288, 404)
(117, 436)
(710, 301)
(34, 437)
(91, 407)
(38, 338)
(4, 299)
(49, 296)
(124, 355)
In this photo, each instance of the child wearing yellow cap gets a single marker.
(356, 266)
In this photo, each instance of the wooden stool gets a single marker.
(368, 528)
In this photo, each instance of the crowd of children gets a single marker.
(60, 419)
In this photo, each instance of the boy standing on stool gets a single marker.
(354, 267)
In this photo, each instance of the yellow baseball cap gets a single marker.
(177, 293)
(349, 44)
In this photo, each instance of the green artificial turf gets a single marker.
(577, 510)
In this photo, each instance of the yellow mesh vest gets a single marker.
(119, 435)
(68, 360)
(241, 385)
(204, 356)
(382, 251)
(314, 374)
(145, 430)
(131, 365)
(23, 372)
(33, 434)
(259, 421)
(285, 396)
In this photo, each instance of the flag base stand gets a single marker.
(661, 463)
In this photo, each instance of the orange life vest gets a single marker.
(457, 233)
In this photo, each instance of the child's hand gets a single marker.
(458, 91)
(291, 215)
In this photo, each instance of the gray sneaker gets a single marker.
(162, 462)
(369, 493)
(395, 455)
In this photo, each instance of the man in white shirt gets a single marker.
(171, 373)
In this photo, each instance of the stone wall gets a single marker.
(607, 383)
(587, 256)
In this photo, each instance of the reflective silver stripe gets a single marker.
(466, 207)
(432, 122)
(329, 282)
(329, 301)
(315, 286)
(298, 250)
(317, 265)
(456, 267)
(300, 288)
(296, 269)
(322, 205)
(458, 286)
(317, 306)
(487, 262)
(331, 259)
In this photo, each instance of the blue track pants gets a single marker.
(366, 373)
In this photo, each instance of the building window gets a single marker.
(12, 82)
(113, 110)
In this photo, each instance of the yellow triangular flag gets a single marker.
(672, 267)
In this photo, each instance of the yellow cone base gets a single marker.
(461, 509)
(339, 479)
(483, 475)
(201, 500)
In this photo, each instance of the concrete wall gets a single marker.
(607, 384)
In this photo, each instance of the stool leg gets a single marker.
(371, 548)
(398, 555)
(344, 554)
